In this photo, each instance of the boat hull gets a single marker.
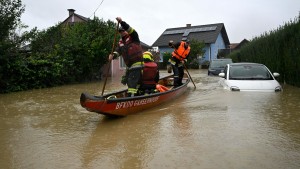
(120, 105)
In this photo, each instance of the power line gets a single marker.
(97, 8)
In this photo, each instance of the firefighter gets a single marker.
(179, 56)
(129, 47)
(150, 75)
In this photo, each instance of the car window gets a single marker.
(220, 63)
(249, 72)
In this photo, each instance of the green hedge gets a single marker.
(278, 49)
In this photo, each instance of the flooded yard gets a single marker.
(204, 128)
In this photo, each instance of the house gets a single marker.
(238, 46)
(73, 18)
(223, 53)
(213, 35)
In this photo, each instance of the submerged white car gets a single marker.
(249, 77)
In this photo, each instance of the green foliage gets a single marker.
(277, 49)
(61, 54)
(10, 13)
(77, 51)
(166, 57)
(11, 59)
(196, 51)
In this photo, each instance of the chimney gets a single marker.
(71, 11)
(188, 25)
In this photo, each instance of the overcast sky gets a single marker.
(243, 19)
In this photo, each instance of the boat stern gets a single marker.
(91, 103)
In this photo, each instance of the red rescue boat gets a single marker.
(117, 104)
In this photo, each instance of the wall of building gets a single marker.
(117, 70)
(211, 50)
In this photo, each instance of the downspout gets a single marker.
(209, 53)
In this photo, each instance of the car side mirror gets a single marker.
(222, 75)
(275, 74)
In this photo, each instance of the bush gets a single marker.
(166, 57)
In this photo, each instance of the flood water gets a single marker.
(205, 128)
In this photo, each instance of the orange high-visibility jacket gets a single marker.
(182, 52)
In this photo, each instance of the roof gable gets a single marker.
(243, 42)
(205, 33)
(73, 18)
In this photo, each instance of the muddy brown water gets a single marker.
(204, 128)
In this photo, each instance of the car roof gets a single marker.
(222, 59)
(245, 63)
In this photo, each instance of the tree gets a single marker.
(80, 49)
(196, 51)
(10, 58)
(59, 55)
(10, 13)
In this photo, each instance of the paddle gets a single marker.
(189, 75)
(112, 50)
